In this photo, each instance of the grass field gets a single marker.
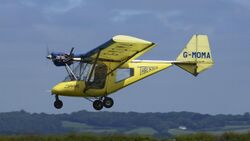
(76, 137)
(84, 128)
(98, 137)
(215, 131)
(142, 131)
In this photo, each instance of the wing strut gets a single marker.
(92, 70)
(121, 64)
(70, 72)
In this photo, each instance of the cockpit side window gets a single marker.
(123, 74)
(99, 76)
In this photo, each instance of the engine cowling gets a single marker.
(61, 59)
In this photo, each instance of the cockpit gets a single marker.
(92, 75)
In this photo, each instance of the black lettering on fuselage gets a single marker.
(147, 69)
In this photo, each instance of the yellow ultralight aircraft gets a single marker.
(112, 66)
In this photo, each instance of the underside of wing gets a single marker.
(120, 48)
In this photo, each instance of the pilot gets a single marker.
(100, 76)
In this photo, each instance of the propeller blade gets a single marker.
(47, 49)
(71, 51)
(48, 56)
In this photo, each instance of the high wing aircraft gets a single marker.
(113, 66)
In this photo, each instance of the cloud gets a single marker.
(169, 20)
(244, 3)
(53, 6)
(65, 7)
(166, 18)
(27, 25)
(124, 15)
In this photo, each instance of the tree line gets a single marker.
(22, 122)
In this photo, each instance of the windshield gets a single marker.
(81, 71)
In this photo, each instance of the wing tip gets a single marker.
(127, 38)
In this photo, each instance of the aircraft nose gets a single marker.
(72, 88)
(56, 89)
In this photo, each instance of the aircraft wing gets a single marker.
(120, 48)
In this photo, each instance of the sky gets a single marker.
(28, 26)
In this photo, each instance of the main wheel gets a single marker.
(98, 105)
(58, 104)
(108, 102)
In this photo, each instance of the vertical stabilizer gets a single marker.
(196, 57)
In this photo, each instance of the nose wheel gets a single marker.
(58, 104)
(106, 102)
(98, 105)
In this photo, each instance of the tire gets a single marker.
(98, 105)
(58, 104)
(108, 102)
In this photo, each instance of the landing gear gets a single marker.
(106, 102)
(98, 105)
(58, 104)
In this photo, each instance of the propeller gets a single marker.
(60, 59)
